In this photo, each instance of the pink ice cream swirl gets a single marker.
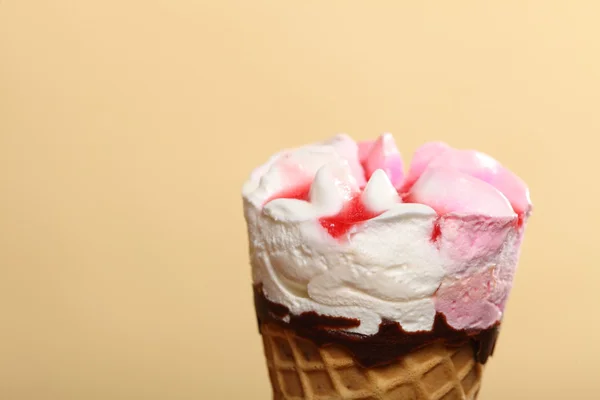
(482, 208)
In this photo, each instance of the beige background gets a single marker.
(128, 127)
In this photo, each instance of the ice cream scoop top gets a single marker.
(338, 228)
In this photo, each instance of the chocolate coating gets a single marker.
(390, 343)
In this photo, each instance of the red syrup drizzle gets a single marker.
(299, 193)
(520, 220)
(436, 232)
(354, 211)
(363, 164)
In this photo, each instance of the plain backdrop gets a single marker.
(128, 127)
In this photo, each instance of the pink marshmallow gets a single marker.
(384, 155)
(449, 191)
(421, 159)
(474, 163)
(484, 167)
(364, 148)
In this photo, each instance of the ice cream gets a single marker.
(340, 234)
(347, 236)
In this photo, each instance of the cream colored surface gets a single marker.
(128, 127)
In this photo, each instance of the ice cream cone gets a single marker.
(298, 369)
(372, 285)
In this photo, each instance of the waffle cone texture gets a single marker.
(300, 370)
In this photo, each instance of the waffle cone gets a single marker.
(299, 370)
